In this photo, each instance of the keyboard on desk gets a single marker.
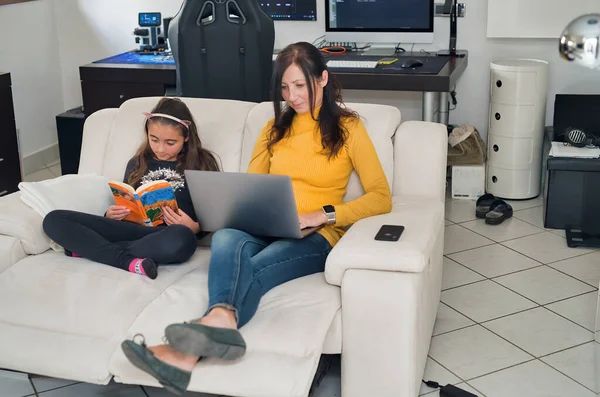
(351, 64)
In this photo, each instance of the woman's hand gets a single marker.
(117, 212)
(180, 218)
(312, 219)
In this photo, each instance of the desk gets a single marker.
(108, 84)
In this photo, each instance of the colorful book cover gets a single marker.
(146, 202)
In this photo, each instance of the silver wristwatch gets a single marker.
(329, 210)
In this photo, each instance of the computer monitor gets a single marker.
(379, 21)
(290, 10)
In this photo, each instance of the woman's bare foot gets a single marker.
(219, 317)
(168, 355)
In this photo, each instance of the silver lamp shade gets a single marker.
(580, 41)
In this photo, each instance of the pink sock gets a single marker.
(136, 266)
(74, 255)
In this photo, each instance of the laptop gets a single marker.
(262, 205)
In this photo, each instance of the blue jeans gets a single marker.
(243, 267)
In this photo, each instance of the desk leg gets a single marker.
(429, 109)
(444, 108)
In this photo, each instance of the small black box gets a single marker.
(69, 126)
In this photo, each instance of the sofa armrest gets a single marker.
(358, 249)
(21, 222)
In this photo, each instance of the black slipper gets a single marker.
(482, 206)
(172, 378)
(200, 340)
(499, 211)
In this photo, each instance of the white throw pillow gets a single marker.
(84, 193)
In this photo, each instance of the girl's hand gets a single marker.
(180, 218)
(312, 219)
(117, 212)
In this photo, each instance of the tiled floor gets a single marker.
(516, 318)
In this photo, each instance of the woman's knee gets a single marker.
(182, 243)
(228, 237)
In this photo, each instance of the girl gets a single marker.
(172, 145)
(316, 141)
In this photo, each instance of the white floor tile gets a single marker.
(460, 210)
(40, 175)
(585, 268)
(56, 170)
(545, 247)
(539, 331)
(494, 260)
(88, 390)
(455, 275)
(474, 351)
(447, 222)
(14, 385)
(448, 320)
(544, 284)
(485, 300)
(457, 238)
(534, 215)
(437, 373)
(581, 309)
(524, 204)
(532, 379)
(507, 230)
(577, 363)
(53, 163)
(43, 384)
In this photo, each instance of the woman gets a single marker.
(171, 146)
(318, 143)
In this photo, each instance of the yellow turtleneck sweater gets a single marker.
(318, 180)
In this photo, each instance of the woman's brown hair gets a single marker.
(310, 60)
(191, 157)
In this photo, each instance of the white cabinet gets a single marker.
(519, 88)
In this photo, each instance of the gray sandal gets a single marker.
(200, 340)
(173, 379)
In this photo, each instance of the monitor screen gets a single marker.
(379, 17)
(290, 10)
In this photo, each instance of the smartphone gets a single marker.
(387, 61)
(389, 233)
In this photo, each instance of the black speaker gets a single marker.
(69, 126)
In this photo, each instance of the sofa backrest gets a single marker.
(381, 122)
(228, 128)
(220, 126)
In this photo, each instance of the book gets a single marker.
(145, 202)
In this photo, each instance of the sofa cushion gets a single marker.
(220, 126)
(20, 221)
(60, 305)
(284, 339)
(381, 122)
(11, 251)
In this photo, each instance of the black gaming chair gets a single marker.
(223, 49)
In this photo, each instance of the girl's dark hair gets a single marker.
(310, 60)
(191, 157)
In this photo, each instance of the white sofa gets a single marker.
(375, 304)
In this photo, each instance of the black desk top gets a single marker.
(358, 79)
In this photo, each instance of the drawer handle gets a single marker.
(2, 193)
(496, 148)
(1, 159)
(121, 96)
(498, 83)
(498, 116)
(494, 179)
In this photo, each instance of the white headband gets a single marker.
(184, 123)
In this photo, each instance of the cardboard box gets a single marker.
(468, 181)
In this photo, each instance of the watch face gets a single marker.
(328, 208)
